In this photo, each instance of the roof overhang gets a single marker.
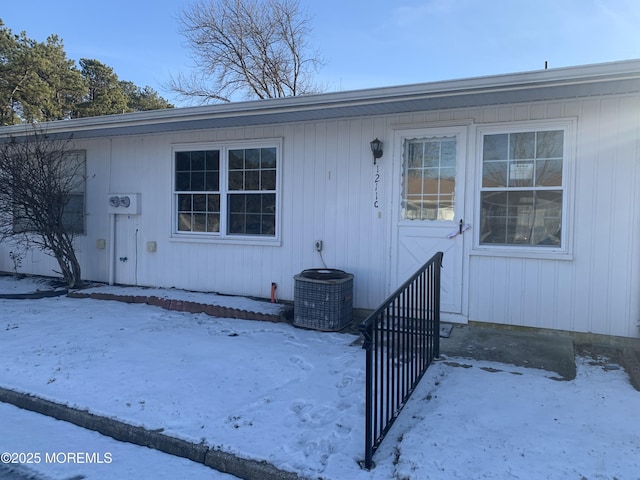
(543, 85)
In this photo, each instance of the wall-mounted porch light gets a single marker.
(376, 149)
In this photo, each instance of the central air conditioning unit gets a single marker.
(323, 299)
(123, 203)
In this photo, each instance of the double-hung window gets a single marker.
(523, 195)
(227, 191)
(68, 178)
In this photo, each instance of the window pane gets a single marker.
(268, 203)
(547, 228)
(212, 181)
(197, 181)
(494, 174)
(429, 178)
(184, 222)
(213, 223)
(414, 155)
(495, 147)
(447, 186)
(268, 158)
(252, 158)
(412, 207)
(431, 154)
(429, 207)
(236, 159)
(448, 154)
(184, 203)
(493, 227)
(253, 203)
(236, 223)
(197, 161)
(413, 183)
(268, 225)
(549, 173)
(183, 181)
(520, 174)
(520, 214)
(199, 222)
(448, 174)
(199, 203)
(237, 203)
(212, 160)
(550, 144)
(213, 203)
(73, 214)
(430, 186)
(522, 145)
(268, 180)
(236, 180)
(183, 161)
(445, 208)
(252, 180)
(253, 224)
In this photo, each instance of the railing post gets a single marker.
(366, 331)
(437, 269)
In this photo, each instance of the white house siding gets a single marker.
(598, 290)
(327, 193)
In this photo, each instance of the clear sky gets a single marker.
(365, 44)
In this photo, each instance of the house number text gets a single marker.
(376, 182)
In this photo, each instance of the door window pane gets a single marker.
(429, 176)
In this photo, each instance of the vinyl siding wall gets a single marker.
(327, 193)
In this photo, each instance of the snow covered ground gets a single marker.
(27, 432)
(294, 398)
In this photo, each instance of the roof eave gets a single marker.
(559, 77)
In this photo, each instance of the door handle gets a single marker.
(462, 227)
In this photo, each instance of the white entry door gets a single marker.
(429, 199)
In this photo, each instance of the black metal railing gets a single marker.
(401, 338)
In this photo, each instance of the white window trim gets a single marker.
(222, 237)
(565, 251)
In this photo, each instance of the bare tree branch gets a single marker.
(38, 177)
(254, 48)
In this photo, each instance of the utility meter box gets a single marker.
(124, 203)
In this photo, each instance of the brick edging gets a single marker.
(222, 461)
(184, 306)
(631, 363)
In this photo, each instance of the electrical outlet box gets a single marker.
(318, 245)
